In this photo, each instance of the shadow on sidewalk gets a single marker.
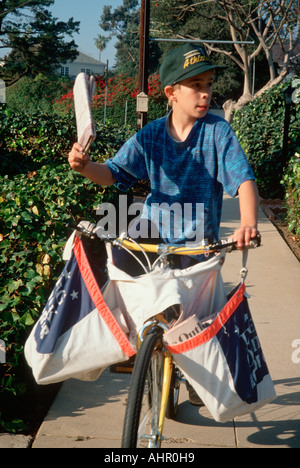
(276, 424)
(283, 431)
(75, 396)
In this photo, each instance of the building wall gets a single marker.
(82, 63)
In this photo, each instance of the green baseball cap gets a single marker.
(185, 62)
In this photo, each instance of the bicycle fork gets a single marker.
(167, 375)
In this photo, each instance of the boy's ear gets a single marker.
(169, 92)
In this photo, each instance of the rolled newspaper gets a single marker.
(84, 88)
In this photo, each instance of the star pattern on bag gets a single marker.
(74, 295)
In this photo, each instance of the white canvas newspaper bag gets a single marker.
(221, 356)
(145, 296)
(77, 335)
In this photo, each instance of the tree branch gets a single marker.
(22, 5)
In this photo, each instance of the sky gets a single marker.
(88, 12)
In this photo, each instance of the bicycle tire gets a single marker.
(173, 396)
(148, 365)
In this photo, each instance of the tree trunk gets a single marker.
(232, 106)
(273, 82)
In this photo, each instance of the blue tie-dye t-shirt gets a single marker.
(187, 178)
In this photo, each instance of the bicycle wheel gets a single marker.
(141, 424)
(173, 395)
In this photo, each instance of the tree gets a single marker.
(101, 42)
(267, 23)
(123, 23)
(168, 23)
(36, 39)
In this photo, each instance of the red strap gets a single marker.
(98, 299)
(214, 328)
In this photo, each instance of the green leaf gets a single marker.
(27, 319)
(14, 285)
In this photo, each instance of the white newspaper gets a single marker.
(188, 329)
(84, 88)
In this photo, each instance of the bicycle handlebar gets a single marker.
(184, 249)
(90, 231)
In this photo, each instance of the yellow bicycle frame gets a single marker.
(167, 372)
(168, 367)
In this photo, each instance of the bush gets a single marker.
(291, 182)
(39, 195)
(31, 95)
(121, 99)
(28, 141)
(259, 127)
(34, 211)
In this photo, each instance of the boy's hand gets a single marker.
(243, 236)
(248, 201)
(77, 159)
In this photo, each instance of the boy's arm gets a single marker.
(249, 203)
(96, 172)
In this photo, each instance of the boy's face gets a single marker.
(192, 96)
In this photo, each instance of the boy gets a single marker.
(190, 156)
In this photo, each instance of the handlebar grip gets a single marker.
(84, 227)
(255, 242)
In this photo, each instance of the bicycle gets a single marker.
(155, 380)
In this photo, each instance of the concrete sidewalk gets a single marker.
(90, 415)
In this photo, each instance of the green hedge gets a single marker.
(39, 195)
(40, 93)
(259, 127)
(291, 181)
